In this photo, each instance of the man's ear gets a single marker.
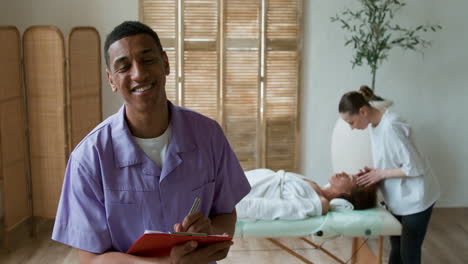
(111, 81)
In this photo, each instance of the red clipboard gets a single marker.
(160, 244)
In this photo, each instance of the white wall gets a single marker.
(103, 15)
(430, 91)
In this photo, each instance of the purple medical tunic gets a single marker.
(112, 191)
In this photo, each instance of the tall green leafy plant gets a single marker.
(372, 32)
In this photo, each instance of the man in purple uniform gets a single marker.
(142, 168)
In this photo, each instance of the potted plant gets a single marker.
(373, 33)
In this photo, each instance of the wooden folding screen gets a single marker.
(84, 83)
(50, 121)
(13, 151)
(44, 67)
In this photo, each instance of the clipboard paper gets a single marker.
(160, 244)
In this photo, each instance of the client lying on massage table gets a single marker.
(285, 204)
(287, 195)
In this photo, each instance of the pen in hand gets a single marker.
(179, 227)
(195, 205)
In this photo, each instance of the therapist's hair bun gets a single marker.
(352, 101)
(366, 92)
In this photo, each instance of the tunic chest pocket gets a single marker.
(121, 197)
(206, 193)
(124, 216)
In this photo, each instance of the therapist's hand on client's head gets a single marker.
(362, 171)
(368, 177)
(196, 222)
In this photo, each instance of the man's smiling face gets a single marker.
(138, 70)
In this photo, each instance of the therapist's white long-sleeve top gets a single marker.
(393, 147)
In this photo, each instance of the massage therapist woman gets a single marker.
(405, 178)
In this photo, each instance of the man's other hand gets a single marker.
(189, 253)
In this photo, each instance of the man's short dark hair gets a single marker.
(126, 29)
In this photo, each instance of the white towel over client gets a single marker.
(278, 195)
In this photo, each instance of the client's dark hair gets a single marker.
(362, 197)
(127, 29)
(351, 102)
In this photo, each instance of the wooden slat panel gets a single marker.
(281, 84)
(242, 19)
(161, 16)
(282, 44)
(239, 86)
(200, 19)
(200, 60)
(45, 88)
(14, 161)
(200, 45)
(244, 44)
(282, 18)
(281, 144)
(241, 105)
(85, 83)
(241, 79)
(281, 109)
(200, 82)
(171, 80)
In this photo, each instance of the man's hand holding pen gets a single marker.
(195, 222)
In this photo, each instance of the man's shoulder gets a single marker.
(196, 119)
(97, 136)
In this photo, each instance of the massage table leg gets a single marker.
(360, 252)
(323, 250)
(290, 251)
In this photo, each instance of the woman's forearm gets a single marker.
(392, 173)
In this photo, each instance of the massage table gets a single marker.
(358, 224)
